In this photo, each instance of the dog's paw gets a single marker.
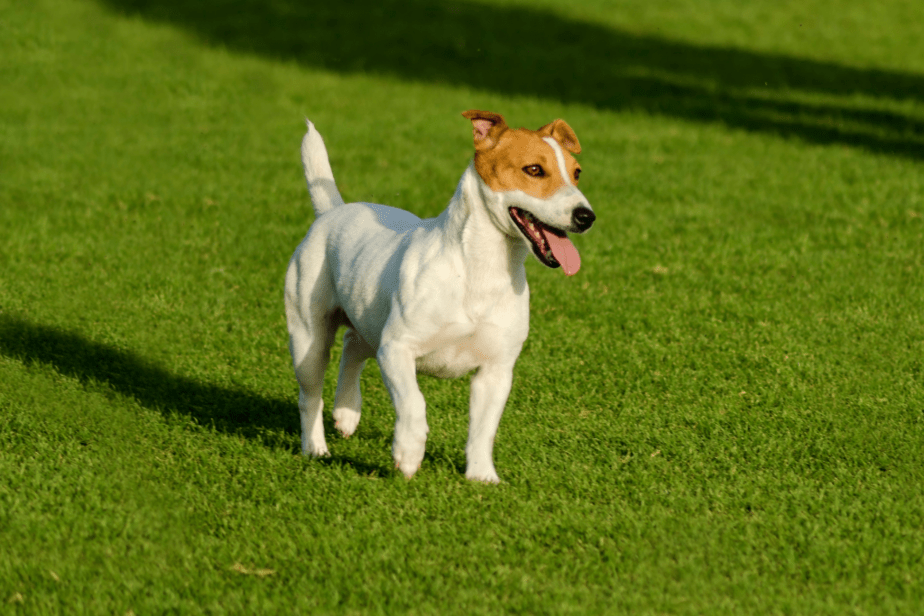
(481, 471)
(492, 479)
(408, 459)
(312, 450)
(346, 420)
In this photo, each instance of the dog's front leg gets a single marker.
(489, 391)
(399, 372)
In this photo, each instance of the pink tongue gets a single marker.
(564, 252)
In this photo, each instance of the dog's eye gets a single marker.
(577, 175)
(534, 170)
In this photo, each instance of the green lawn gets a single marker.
(721, 413)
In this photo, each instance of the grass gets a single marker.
(723, 412)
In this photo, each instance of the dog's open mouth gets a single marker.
(550, 245)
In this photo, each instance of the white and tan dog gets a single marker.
(442, 296)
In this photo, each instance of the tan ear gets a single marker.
(562, 133)
(487, 127)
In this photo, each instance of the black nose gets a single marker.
(582, 218)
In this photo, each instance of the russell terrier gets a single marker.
(442, 296)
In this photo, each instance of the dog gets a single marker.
(443, 296)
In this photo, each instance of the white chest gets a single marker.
(458, 349)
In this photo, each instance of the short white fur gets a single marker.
(442, 296)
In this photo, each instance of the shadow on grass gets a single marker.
(531, 52)
(265, 420)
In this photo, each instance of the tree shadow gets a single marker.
(265, 420)
(271, 422)
(530, 52)
(89, 362)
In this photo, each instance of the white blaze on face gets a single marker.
(562, 248)
(560, 157)
(522, 164)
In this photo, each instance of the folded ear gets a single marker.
(487, 127)
(562, 133)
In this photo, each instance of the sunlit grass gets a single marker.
(723, 412)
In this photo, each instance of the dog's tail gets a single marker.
(320, 177)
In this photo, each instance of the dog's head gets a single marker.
(535, 178)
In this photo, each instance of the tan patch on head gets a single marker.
(562, 133)
(518, 159)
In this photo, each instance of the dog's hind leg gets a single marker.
(310, 344)
(311, 355)
(348, 400)
(312, 318)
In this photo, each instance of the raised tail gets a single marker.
(321, 185)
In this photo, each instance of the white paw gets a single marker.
(484, 473)
(408, 459)
(313, 450)
(346, 420)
